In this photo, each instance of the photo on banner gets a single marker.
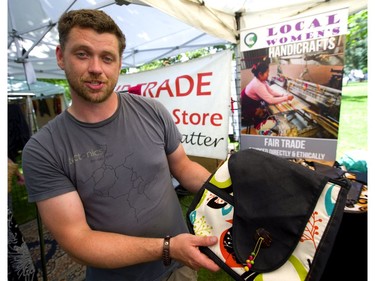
(305, 59)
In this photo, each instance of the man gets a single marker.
(100, 172)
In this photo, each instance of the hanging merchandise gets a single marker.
(43, 107)
(18, 130)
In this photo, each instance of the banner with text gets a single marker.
(305, 56)
(197, 94)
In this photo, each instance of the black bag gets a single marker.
(273, 217)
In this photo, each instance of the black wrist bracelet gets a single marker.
(166, 256)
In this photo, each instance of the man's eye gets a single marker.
(81, 54)
(108, 59)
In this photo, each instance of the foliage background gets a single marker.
(356, 42)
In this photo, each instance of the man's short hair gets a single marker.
(89, 18)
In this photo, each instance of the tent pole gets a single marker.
(42, 245)
(33, 127)
(238, 78)
(31, 116)
(237, 131)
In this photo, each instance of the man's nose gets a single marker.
(95, 65)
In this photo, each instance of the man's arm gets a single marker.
(64, 216)
(190, 174)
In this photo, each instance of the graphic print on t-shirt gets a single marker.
(118, 181)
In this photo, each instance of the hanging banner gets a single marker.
(197, 94)
(294, 111)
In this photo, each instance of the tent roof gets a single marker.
(154, 28)
(151, 34)
(226, 18)
(39, 88)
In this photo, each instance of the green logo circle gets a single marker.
(250, 39)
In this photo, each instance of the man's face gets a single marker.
(91, 62)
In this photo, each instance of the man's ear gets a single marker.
(59, 57)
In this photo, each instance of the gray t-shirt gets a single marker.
(119, 168)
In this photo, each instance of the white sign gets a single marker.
(318, 28)
(197, 94)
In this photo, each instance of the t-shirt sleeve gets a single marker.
(44, 177)
(172, 135)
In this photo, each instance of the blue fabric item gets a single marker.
(354, 161)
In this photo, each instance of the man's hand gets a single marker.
(185, 249)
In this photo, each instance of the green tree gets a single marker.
(181, 57)
(356, 42)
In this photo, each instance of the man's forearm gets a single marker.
(111, 250)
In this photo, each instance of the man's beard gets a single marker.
(85, 93)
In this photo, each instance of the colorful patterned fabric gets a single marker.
(211, 214)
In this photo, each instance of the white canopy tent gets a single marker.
(154, 28)
(151, 34)
(224, 19)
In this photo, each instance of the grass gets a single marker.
(352, 136)
(23, 211)
(353, 119)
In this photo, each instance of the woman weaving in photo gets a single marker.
(257, 94)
